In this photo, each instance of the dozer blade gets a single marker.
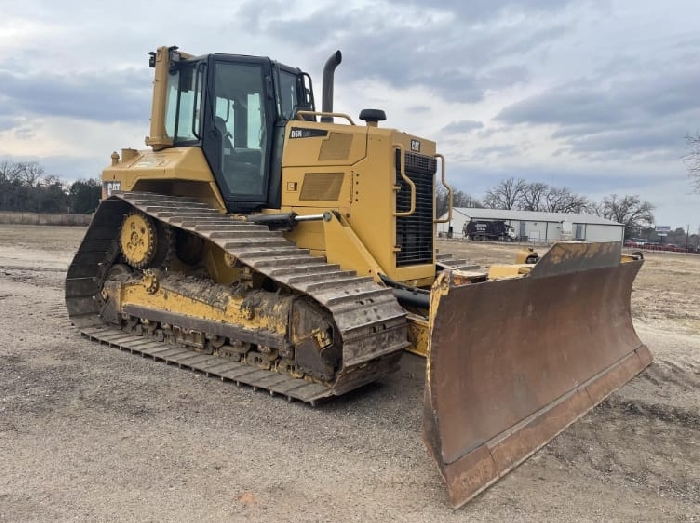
(513, 362)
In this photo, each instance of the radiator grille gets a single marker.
(414, 233)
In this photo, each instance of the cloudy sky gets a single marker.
(592, 95)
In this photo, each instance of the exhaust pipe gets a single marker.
(328, 75)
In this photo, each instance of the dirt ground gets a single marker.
(89, 433)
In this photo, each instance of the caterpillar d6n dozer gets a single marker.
(266, 242)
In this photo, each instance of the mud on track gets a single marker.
(90, 433)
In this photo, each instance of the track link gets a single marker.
(213, 366)
(370, 321)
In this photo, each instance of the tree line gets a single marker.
(680, 237)
(630, 210)
(518, 194)
(25, 187)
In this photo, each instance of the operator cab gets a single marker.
(235, 108)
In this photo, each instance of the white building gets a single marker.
(539, 226)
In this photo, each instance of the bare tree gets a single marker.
(692, 160)
(459, 199)
(506, 195)
(561, 199)
(532, 196)
(596, 208)
(464, 199)
(441, 201)
(31, 173)
(25, 188)
(629, 210)
(9, 170)
(26, 174)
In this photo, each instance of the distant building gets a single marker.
(539, 226)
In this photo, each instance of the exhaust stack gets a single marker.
(328, 79)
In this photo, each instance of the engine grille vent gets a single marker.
(321, 187)
(414, 233)
(336, 147)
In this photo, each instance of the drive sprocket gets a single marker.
(146, 242)
(138, 239)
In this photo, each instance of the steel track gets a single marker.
(370, 321)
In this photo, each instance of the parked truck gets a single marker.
(489, 230)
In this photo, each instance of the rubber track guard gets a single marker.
(513, 362)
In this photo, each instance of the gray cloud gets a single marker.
(648, 96)
(600, 117)
(459, 63)
(483, 10)
(418, 109)
(562, 107)
(452, 84)
(494, 151)
(632, 140)
(111, 95)
(504, 77)
(6, 123)
(24, 133)
(462, 126)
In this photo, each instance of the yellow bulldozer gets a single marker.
(271, 244)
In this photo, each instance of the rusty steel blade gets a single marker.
(513, 362)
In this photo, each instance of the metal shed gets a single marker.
(539, 226)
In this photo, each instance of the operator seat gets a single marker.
(226, 144)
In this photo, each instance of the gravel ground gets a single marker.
(90, 433)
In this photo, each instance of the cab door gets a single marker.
(238, 126)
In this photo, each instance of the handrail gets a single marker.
(449, 192)
(408, 181)
(321, 113)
